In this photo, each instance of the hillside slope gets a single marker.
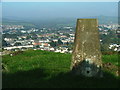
(43, 69)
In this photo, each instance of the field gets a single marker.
(43, 69)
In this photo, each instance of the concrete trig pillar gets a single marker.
(86, 57)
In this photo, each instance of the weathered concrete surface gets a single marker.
(86, 58)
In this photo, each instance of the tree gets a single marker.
(105, 47)
(4, 43)
(53, 44)
(67, 34)
(67, 43)
(28, 37)
(37, 46)
(17, 44)
(59, 42)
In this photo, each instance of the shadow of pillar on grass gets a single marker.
(40, 78)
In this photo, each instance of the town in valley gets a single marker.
(55, 39)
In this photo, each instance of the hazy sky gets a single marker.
(58, 9)
(60, 0)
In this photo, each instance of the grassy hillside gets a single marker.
(43, 69)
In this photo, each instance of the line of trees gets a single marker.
(54, 44)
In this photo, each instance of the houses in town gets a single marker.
(37, 39)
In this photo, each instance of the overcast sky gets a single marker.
(58, 9)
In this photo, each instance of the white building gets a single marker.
(18, 47)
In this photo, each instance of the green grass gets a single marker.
(112, 59)
(43, 69)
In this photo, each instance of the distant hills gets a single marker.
(107, 20)
(12, 21)
(53, 22)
